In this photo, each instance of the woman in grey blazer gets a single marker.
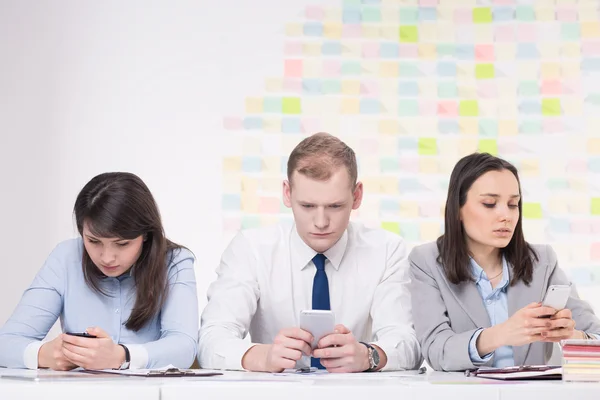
(476, 291)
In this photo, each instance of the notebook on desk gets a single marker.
(519, 373)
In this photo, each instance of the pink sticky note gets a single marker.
(566, 14)
(595, 251)
(232, 224)
(292, 85)
(293, 68)
(581, 227)
(463, 16)
(447, 108)
(369, 88)
(408, 51)
(332, 68)
(268, 205)
(408, 165)
(504, 33)
(577, 167)
(315, 13)
(292, 49)
(369, 146)
(552, 125)
(309, 125)
(571, 87)
(484, 52)
(551, 87)
(427, 108)
(370, 50)
(596, 227)
(351, 30)
(526, 33)
(487, 89)
(428, 3)
(232, 123)
(590, 48)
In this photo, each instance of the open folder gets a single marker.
(157, 373)
(519, 373)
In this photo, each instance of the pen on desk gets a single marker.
(422, 370)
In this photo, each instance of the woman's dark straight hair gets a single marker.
(120, 205)
(452, 245)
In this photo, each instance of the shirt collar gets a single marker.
(302, 254)
(479, 274)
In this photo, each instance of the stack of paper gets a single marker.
(581, 360)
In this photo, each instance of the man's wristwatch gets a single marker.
(373, 357)
(127, 361)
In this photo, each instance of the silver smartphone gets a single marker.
(557, 296)
(319, 323)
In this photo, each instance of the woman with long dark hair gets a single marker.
(477, 291)
(125, 294)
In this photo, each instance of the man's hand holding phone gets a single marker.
(288, 347)
(341, 352)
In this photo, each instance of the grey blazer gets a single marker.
(446, 315)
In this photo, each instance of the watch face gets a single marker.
(375, 357)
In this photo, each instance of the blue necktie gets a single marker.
(320, 294)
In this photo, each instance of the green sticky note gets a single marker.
(488, 128)
(351, 68)
(389, 164)
(291, 105)
(484, 71)
(410, 231)
(409, 15)
(331, 86)
(272, 105)
(352, 2)
(488, 146)
(408, 108)
(570, 31)
(428, 146)
(595, 206)
(409, 34)
(532, 210)
(528, 88)
(482, 15)
(550, 107)
(371, 15)
(468, 108)
(250, 221)
(408, 70)
(393, 227)
(525, 13)
(445, 50)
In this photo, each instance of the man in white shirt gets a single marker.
(268, 275)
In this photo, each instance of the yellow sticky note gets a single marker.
(572, 106)
(579, 204)
(311, 49)
(445, 13)
(274, 85)
(468, 126)
(369, 68)
(389, 185)
(232, 164)
(393, 227)
(427, 32)
(570, 70)
(550, 70)
(427, 51)
(428, 165)
(409, 209)
(351, 87)
(483, 33)
(507, 128)
(557, 205)
(272, 124)
(271, 165)
(430, 231)
(254, 105)
(312, 68)
(390, 15)
(595, 206)
(529, 167)
(332, 30)
(388, 145)
(232, 182)
(350, 106)
(590, 29)
(370, 31)
(529, 69)
(545, 14)
(507, 90)
(548, 51)
(467, 145)
(488, 146)
(249, 184)
(427, 88)
(507, 108)
(271, 184)
(488, 108)
(293, 29)
(251, 145)
(468, 108)
(579, 185)
(388, 126)
(371, 184)
(571, 50)
(465, 73)
(505, 51)
(352, 50)
(593, 145)
(389, 69)
(587, 11)
(389, 32)
(532, 210)
(333, 14)
(427, 146)
(389, 106)
(269, 220)
(250, 203)
(467, 91)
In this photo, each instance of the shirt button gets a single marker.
(116, 310)
(489, 301)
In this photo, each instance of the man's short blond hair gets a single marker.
(319, 156)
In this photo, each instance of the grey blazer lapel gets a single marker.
(468, 297)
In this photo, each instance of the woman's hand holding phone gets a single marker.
(51, 356)
(93, 353)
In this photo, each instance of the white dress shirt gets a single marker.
(265, 279)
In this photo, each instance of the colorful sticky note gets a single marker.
(484, 71)
(408, 34)
(468, 108)
(393, 227)
(551, 107)
(532, 210)
(488, 146)
(291, 105)
(595, 206)
(482, 15)
(427, 146)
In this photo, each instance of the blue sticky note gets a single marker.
(272, 105)
(351, 16)
(527, 51)
(409, 70)
(389, 50)
(331, 86)
(370, 2)
(389, 205)
(369, 106)
(311, 86)
(408, 89)
(408, 108)
(251, 164)
(409, 185)
(590, 64)
(351, 68)
(284, 162)
(389, 164)
(530, 126)
(313, 29)
(559, 225)
(445, 50)
(231, 202)
(410, 231)
(448, 126)
(427, 14)
(331, 49)
(446, 68)
(528, 88)
(250, 221)
(408, 145)
(557, 184)
(594, 164)
(253, 123)
(503, 14)
(530, 107)
(488, 128)
(447, 90)
(464, 52)
(291, 125)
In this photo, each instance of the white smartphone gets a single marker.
(319, 323)
(557, 296)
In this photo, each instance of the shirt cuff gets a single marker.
(30, 355)
(138, 356)
(474, 354)
(230, 354)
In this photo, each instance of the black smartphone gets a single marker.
(81, 334)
